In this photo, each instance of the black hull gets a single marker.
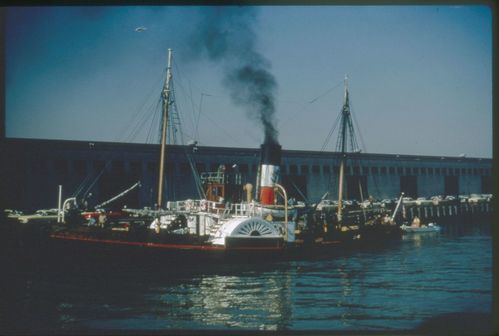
(94, 244)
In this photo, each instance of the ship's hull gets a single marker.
(145, 245)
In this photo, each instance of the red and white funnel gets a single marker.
(269, 171)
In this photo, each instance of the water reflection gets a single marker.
(254, 301)
(419, 240)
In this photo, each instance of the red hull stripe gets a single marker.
(158, 245)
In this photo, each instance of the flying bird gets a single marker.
(140, 29)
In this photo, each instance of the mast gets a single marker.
(164, 127)
(345, 116)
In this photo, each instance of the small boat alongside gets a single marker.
(431, 227)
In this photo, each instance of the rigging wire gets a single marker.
(119, 137)
(140, 126)
(179, 116)
(82, 185)
(99, 175)
(331, 131)
(155, 125)
(325, 93)
(179, 80)
(362, 142)
(140, 108)
(354, 147)
(306, 104)
(358, 161)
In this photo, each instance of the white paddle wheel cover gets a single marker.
(246, 227)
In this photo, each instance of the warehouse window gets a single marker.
(136, 167)
(61, 166)
(79, 166)
(152, 166)
(118, 166)
(243, 168)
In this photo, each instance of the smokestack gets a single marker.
(270, 171)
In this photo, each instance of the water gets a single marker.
(398, 287)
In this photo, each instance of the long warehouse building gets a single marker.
(32, 170)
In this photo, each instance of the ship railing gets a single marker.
(196, 206)
(213, 177)
(245, 210)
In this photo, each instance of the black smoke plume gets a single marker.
(225, 35)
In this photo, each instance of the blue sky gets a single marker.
(420, 77)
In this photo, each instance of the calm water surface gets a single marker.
(393, 287)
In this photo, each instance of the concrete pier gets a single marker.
(447, 211)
